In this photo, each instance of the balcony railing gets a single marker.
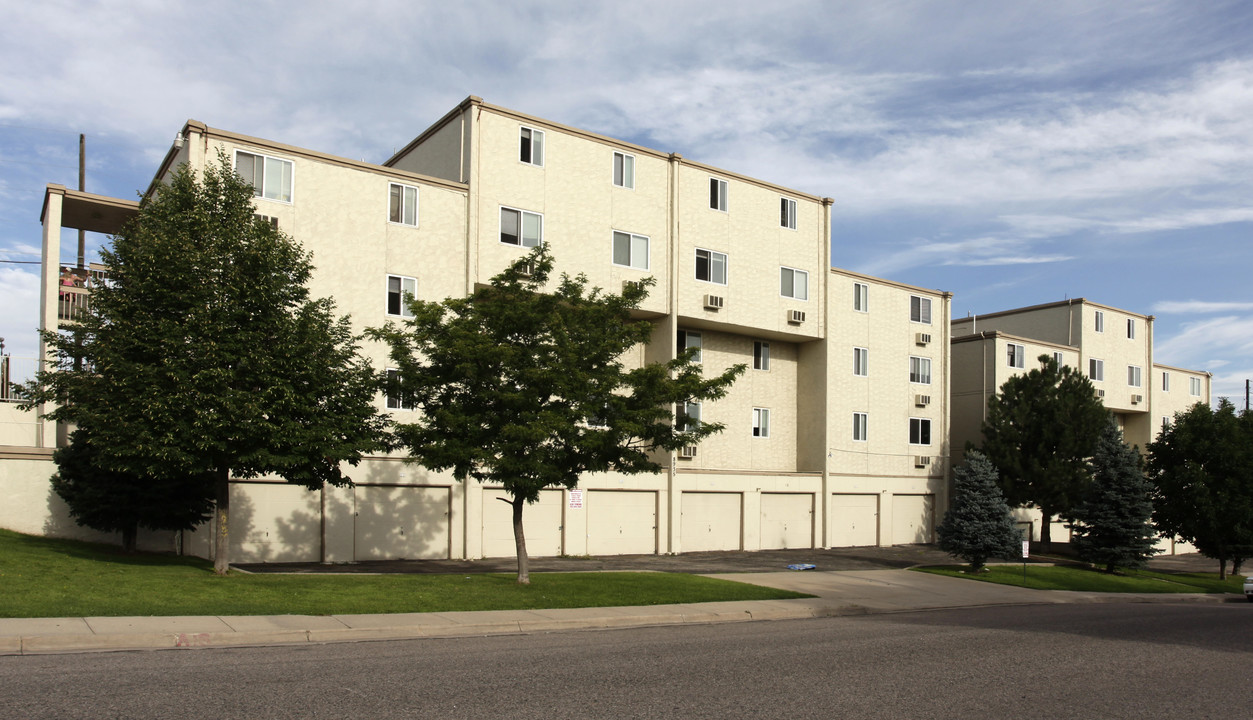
(74, 288)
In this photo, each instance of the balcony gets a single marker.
(74, 287)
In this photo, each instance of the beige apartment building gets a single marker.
(836, 435)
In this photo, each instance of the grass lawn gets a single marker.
(1063, 577)
(41, 577)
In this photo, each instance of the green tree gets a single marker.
(1114, 523)
(119, 501)
(1202, 470)
(1040, 432)
(978, 524)
(204, 355)
(526, 388)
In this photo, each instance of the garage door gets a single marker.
(710, 521)
(401, 522)
(913, 518)
(275, 523)
(621, 523)
(541, 523)
(854, 520)
(787, 521)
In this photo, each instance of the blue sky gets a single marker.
(1013, 153)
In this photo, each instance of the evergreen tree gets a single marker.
(204, 355)
(526, 388)
(1040, 432)
(978, 524)
(1114, 527)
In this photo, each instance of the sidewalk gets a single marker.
(853, 592)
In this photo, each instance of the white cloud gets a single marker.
(20, 319)
(1199, 306)
(1200, 344)
(976, 252)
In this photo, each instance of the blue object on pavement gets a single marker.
(801, 566)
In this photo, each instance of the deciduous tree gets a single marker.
(1114, 523)
(978, 524)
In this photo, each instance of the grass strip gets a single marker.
(43, 577)
(1040, 577)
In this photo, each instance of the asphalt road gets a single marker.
(1066, 661)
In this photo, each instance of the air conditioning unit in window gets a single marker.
(1137, 399)
(922, 461)
(714, 302)
(922, 338)
(922, 400)
(687, 453)
(527, 269)
(795, 317)
(1100, 393)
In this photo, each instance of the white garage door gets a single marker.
(787, 521)
(913, 519)
(621, 523)
(854, 520)
(541, 525)
(710, 521)
(274, 523)
(401, 522)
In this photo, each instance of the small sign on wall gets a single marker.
(576, 499)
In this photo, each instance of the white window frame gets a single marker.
(761, 355)
(861, 361)
(1165, 422)
(761, 422)
(623, 172)
(1100, 321)
(861, 297)
(692, 410)
(404, 204)
(1165, 381)
(718, 191)
(1015, 355)
(260, 190)
(919, 423)
(691, 339)
(533, 145)
(1135, 376)
(861, 427)
(787, 213)
(783, 273)
(632, 240)
(521, 224)
(710, 257)
(1096, 370)
(404, 306)
(1194, 387)
(1059, 358)
(920, 370)
(917, 304)
(393, 402)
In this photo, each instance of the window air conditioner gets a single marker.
(713, 302)
(922, 461)
(688, 452)
(922, 338)
(1100, 393)
(922, 400)
(795, 317)
(1137, 399)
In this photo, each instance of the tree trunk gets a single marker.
(128, 538)
(1046, 529)
(1236, 564)
(1222, 567)
(519, 539)
(222, 511)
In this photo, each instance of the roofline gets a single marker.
(1206, 373)
(1059, 303)
(999, 334)
(893, 283)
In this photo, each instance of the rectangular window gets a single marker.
(1131, 329)
(1165, 423)
(920, 370)
(1100, 321)
(402, 204)
(718, 194)
(761, 355)
(859, 427)
(1194, 387)
(623, 170)
(1057, 358)
(761, 422)
(531, 146)
(519, 227)
(1133, 376)
(1015, 355)
(1096, 369)
(711, 266)
(630, 250)
(861, 361)
(920, 309)
(271, 177)
(861, 297)
(794, 283)
(692, 420)
(400, 290)
(689, 339)
(396, 400)
(919, 431)
(1165, 382)
(787, 213)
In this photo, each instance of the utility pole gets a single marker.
(82, 187)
